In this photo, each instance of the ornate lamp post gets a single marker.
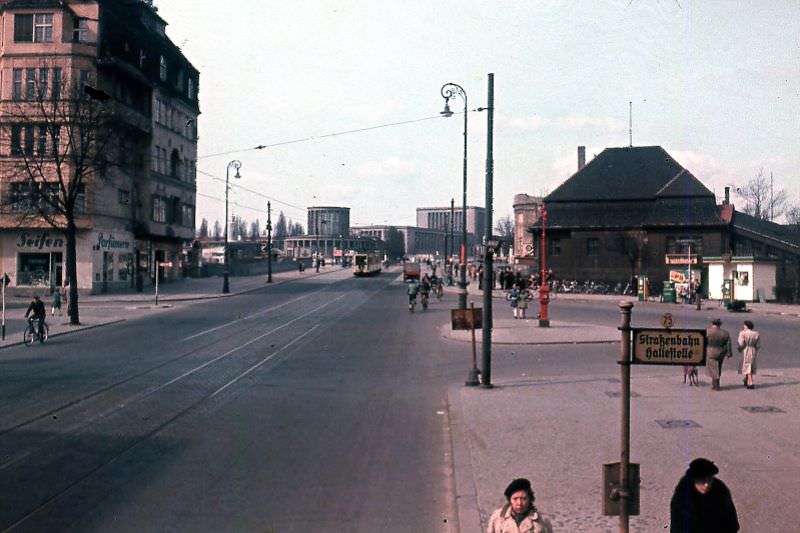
(449, 91)
(544, 288)
(237, 165)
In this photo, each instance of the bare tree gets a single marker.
(217, 230)
(633, 245)
(203, 232)
(793, 215)
(762, 200)
(61, 140)
(504, 229)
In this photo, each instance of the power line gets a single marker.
(336, 134)
(242, 187)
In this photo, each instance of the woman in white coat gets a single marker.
(749, 344)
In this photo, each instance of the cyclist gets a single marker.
(413, 288)
(38, 312)
(425, 289)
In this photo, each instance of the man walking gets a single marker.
(719, 347)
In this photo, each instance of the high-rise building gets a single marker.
(135, 209)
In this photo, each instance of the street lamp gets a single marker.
(448, 91)
(237, 165)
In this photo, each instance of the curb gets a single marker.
(61, 333)
(466, 491)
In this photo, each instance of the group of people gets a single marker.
(719, 347)
(700, 503)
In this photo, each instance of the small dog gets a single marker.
(690, 375)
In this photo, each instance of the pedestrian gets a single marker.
(513, 297)
(749, 344)
(56, 302)
(519, 514)
(702, 503)
(718, 348)
(522, 305)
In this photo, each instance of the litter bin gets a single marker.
(668, 292)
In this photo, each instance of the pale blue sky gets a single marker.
(716, 83)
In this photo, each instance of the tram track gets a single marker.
(134, 408)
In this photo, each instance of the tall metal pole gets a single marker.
(625, 431)
(269, 242)
(452, 242)
(449, 90)
(486, 367)
(225, 273)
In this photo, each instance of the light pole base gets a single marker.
(462, 296)
(544, 323)
(473, 378)
(226, 289)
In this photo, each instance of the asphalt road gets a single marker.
(317, 404)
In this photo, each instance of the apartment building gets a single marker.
(134, 213)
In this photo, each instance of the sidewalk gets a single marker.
(104, 309)
(564, 428)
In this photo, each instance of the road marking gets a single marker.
(144, 394)
(247, 317)
(255, 366)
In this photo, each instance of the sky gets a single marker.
(345, 97)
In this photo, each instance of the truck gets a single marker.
(410, 271)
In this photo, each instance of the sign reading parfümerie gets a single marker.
(669, 346)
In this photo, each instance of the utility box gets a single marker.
(668, 292)
(611, 499)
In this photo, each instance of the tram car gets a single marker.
(366, 263)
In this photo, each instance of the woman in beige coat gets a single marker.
(519, 514)
(749, 343)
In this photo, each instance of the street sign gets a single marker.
(466, 318)
(669, 346)
(667, 321)
(166, 264)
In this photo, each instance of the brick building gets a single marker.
(135, 212)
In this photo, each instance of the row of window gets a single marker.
(26, 197)
(172, 211)
(673, 245)
(38, 28)
(173, 166)
(170, 117)
(27, 139)
(39, 83)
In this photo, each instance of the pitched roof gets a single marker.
(782, 234)
(630, 173)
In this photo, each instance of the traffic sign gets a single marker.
(166, 264)
(669, 346)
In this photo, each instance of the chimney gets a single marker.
(581, 157)
(727, 196)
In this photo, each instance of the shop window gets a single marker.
(39, 269)
(125, 264)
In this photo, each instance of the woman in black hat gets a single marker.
(519, 515)
(702, 503)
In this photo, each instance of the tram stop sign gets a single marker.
(669, 346)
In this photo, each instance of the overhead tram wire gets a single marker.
(336, 134)
(242, 187)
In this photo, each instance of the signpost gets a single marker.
(642, 346)
(164, 264)
(470, 319)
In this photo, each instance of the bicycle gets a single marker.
(412, 301)
(32, 333)
(424, 301)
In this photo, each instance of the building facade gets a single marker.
(407, 240)
(438, 218)
(139, 209)
(636, 212)
(526, 216)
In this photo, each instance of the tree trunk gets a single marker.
(72, 273)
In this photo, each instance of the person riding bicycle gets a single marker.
(413, 288)
(425, 285)
(36, 308)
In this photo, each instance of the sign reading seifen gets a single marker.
(669, 346)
